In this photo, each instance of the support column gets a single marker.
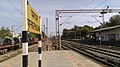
(39, 50)
(24, 49)
(24, 34)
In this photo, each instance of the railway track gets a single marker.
(32, 48)
(106, 56)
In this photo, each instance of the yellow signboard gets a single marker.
(33, 20)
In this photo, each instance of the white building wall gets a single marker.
(107, 32)
(105, 36)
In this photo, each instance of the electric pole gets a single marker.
(47, 26)
(43, 28)
(12, 27)
(104, 11)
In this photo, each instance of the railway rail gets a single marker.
(32, 48)
(106, 56)
(104, 46)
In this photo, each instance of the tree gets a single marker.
(19, 35)
(86, 31)
(115, 20)
(77, 32)
(5, 32)
(65, 33)
(32, 35)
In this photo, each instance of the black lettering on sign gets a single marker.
(33, 25)
(34, 15)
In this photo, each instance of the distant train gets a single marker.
(9, 44)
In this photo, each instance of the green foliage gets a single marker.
(32, 35)
(77, 32)
(5, 32)
(114, 20)
(20, 35)
(86, 30)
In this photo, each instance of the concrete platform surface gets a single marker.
(63, 58)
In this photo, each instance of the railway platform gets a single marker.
(63, 58)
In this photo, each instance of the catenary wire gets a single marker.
(91, 10)
(14, 6)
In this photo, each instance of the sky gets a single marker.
(10, 12)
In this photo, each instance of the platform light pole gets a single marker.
(24, 34)
(104, 11)
(43, 28)
(47, 26)
(57, 28)
(56, 22)
(12, 27)
(100, 26)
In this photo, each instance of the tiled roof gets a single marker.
(108, 28)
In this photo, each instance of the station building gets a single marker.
(108, 34)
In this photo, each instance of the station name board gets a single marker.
(33, 20)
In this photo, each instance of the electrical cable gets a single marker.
(7, 12)
(66, 20)
(89, 3)
(9, 18)
(91, 10)
(85, 6)
(97, 19)
(14, 6)
(17, 28)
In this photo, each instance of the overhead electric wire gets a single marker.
(89, 3)
(18, 28)
(100, 4)
(66, 20)
(7, 18)
(91, 10)
(96, 19)
(85, 6)
(7, 12)
(14, 6)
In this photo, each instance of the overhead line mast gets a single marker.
(58, 12)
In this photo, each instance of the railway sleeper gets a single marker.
(114, 60)
(92, 55)
(107, 58)
(101, 56)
